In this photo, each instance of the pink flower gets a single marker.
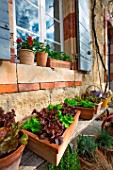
(19, 40)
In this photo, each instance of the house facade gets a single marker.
(80, 28)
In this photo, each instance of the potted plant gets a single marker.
(41, 50)
(87, 108)
(89, 155)
(12, 141)
(25, 50)
(55, 126)
(94, 99)
(59, 60)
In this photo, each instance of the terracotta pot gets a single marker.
(50, 151)
(26, 56)
(58, 63)
(12, 161)
(41, 58)
(86, 113)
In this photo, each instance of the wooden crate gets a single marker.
(49, 151)
(58, 63)
(86, 113)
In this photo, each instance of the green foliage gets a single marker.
(86, 146)
(71, 102)
(65, 119)
(104, 139)
(85, 104)
(60, 56)
(10, 138)
(41, 46)
(57, 106)
(79, 102)
(69, 161)
(90, 97)
(33, 124)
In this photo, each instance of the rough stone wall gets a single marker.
(23, 103)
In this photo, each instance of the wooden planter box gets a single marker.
(58, 63)
(86, 113)
(49, 151)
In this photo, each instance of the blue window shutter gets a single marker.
(4, 31)
(84, 36)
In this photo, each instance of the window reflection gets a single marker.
(34, 2)
(27, 16)
(54, 46)
(52, 8)
(52, 29)
(23, 35)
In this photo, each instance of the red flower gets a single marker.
(31, 43)
(30, 38)
(19, 40)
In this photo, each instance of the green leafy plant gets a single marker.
(65, 119)
(33, 125)
(69, 161)
(60, 56)
(57, 106)
(86, 146)
(71, 102)
(104, 139)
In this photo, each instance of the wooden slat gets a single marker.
(4, 5)
(4, 49)
(4, 25)
(4, 34)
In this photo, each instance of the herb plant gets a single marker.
(71, 102)
(91, 98)
(104, 139)
(86, 146)
(69, 161)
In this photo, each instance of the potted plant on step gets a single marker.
(12, 141)
(25, 50)
(41, 50)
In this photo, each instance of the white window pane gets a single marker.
(52, 8)
(52, 29)
(54, 46)
(23, 35)
(26, 16)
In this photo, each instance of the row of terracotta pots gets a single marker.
(27, 57)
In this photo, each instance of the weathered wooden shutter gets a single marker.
(84, 38)
(4, 31)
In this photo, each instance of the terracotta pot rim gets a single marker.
(21, 147)
(26, 50)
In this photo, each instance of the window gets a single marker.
(84, 38)
(41, 19)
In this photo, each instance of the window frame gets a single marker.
(42, 22)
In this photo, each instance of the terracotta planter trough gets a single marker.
(49, 151)
(86, 113)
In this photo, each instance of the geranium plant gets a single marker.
(41, 46)
(27, 43)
